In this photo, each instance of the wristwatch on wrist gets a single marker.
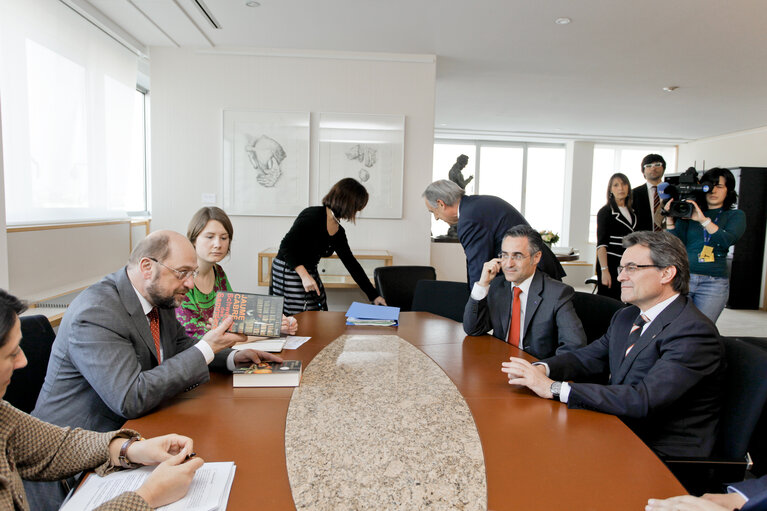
(556, 388)
(123, 458)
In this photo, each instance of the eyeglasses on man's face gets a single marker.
(516, 256)
(631, 268)
(654, 164)
(180, 274)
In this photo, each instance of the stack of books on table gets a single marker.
(363, 314)
(268, 374)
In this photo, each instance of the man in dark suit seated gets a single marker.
(120, 351)
(664, 357)
(750, 495)
(645, 198)
(482, 221)
(527, 305)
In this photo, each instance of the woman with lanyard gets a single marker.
(317, 233)
(708, 237)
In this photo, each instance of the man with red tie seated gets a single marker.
(120, 351)
(664, 358)
(527, 308)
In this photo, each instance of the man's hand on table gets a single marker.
(254, 357)
(522, 372)
(709, 502)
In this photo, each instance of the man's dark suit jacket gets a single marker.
(640, 201)
(756, 492)
(482, 222)
(551, 325)
(669, 387)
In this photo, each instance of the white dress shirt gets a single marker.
(479, 292)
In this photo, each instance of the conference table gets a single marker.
(533, 453)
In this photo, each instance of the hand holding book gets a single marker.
(218, 338)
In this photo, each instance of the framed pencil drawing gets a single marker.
(265, 162)
(368, 148)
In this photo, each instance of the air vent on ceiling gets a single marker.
(206, 12)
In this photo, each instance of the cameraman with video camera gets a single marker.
(707, 230)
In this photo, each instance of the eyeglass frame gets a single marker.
(631, 268)
(516, 256)
(180, 275)
(651, 165)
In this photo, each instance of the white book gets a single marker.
(268, 345)
(209, 490)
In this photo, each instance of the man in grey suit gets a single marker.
(106, 366)
(527, 308)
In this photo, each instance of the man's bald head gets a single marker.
(159, 245)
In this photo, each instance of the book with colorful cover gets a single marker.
(268, 374)
(259, 315)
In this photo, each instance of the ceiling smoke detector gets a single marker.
(562, 21)
(253, 3)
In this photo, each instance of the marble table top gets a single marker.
(376, 424)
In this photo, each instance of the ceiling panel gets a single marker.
(506, 65)
(175, 22)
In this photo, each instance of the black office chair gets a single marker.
(397, 283)
(592, 281)
(442, 297)
(36, 340)
(595, 313)
(745, 394)
(757, 447)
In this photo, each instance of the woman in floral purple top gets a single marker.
(210, 231)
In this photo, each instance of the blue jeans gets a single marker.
(709, 294)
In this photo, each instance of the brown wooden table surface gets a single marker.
(538, 454)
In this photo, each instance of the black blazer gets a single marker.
(551, 325)
(669, 387)
(612, 226)
(640, 201)
(482, 221)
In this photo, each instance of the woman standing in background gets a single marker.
(315, 234)
(211, 232)
(708, 236)
(615, 220)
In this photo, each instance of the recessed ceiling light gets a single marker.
(253, 3)
(443, 124)
(670, 88)
(562, 21)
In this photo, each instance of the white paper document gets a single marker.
(209, 490)
(294, 342)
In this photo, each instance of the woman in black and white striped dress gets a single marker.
(615, 220)
(317, 233)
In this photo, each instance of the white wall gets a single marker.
(3, 235)
(739, 149)
(189, 92)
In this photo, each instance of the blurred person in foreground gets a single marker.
(37, 450)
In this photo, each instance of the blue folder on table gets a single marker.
(376, 315)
